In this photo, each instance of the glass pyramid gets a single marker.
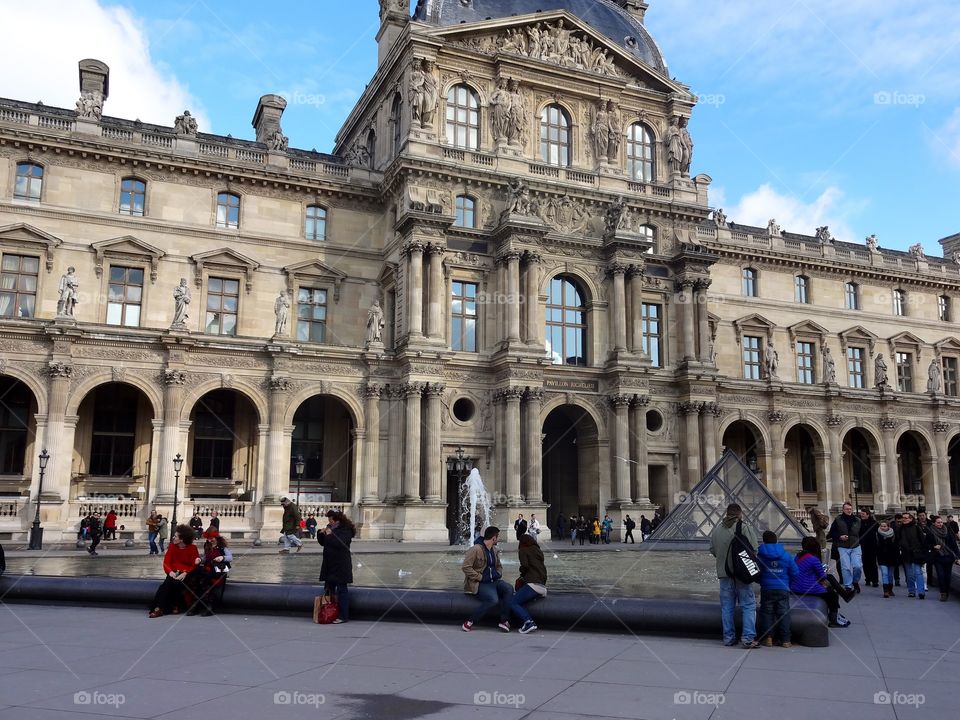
(729, 481)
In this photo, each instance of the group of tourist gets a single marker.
(195, 581)
(95, 528)
(600, 532)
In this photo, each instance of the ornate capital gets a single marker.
(371, 390)
(640, 400)
(834, 420)
(616, 268)
(174, 377)
(436, 249)
(941, 427)
(57, 369)
(702, 284)
(688, 407)
(684, 285)
(776, 416)
(532, 258)
(279, 384)
(506, 257)
(411, 247)
(712, 408)
(619, 401)
(435, 389)
(413, 389)
(636, 270)
(513, 394)
(533, 395)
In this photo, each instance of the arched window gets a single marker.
(555, 136)
(750, 282)
(801, 284)
(463, 118)
(640, 154)
(133, 193)
(316, 223)
(372, 147)
(396, 117)
(29, 182)
(228, 211)
(466, 211)
(566, 322)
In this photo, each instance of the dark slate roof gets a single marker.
(604, 16)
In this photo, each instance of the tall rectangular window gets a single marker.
(18, 286)
(950, 376)
(311, 315)
(315, 227)
(133, 194)
(943, 306)
(749, 282)
(124, 296)
(855, 371)
(223, 301)
(228, 211)
(853, 296)
(463, 316)
(802, 287)
(751, 358)
(652, 316)
(805, 355)
(905, 372)
(899, 303)
(29, 182)
(466, 212)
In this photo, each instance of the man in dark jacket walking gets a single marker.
(520, 526)
(290, 525)
(913, 549)
(845, 532)
(868, 546)
(95, 527)
(629, 524)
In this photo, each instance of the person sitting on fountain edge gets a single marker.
(483, 577)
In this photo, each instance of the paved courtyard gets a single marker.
(899, 659)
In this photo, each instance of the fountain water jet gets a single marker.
(475, 507)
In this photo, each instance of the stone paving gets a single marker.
(899, 659)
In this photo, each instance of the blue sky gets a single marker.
(812, 111)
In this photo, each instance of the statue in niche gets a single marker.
(686, 143)
(771, 360)
(185, 124)
(281, 309)
(500, 111)
(612, 218)
(600, 130)
(69, 289)
(674, 146)
(934, 377)
(519, 197)
(375, 324)
(614, 135)
(423, 93)
(829, 367)
(880, 372)
(181, 298)
(518, 115)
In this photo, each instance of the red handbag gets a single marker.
(325, 609)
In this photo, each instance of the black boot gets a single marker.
(832, 619)
(887, 590)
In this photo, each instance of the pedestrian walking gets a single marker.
(153, 522)
(582, 529)
(483, 578)
(214, 521)
(290, 526)
(868, 547)
(629, 524)
(732, 590)
(845, 532)
(520, 526)
(532, 583)
(162, 532)
(561, 526)
(595, 532)
(95, 529)
(888, 555)
(646, 528)
(336, 570)
(913, 549)
(534, 525)
(777, 570)
(945, 553)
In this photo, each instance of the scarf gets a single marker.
(941, 535)
(888, 533)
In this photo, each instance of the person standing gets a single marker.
(533, 573)
(215, 521)
(819, 522)
(953, 527)
(913, 549)
(606, 529)
(520, 526)
(483, 578)
(888, 556)
(596, 531)
(534, 525)
(582, 529)
(95, 528)
(629, 525)
(290, 525)
(110, 525)
(845, 532)
(153, 522)
(646, 528)
(777, 570)
(868, 546)
(732, 590)
(561, 526)
(945, 553)
(162, 532)
(336, 571)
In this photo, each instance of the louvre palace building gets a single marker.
(506, 253)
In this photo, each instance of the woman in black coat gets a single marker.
(336, 572)
(868, 548)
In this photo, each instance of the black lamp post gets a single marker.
(299, 466)
(855, 485)
(36, 532)
(917, 491)
(177, 466)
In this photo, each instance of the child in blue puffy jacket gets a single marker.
(777, 570)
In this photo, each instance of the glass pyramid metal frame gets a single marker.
(700, 510)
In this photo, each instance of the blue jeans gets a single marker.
(152, 537)
(342, 591)
(491, 594)
(520, 598)
(774, 616)
(732, 591)
(886, 574)
(851, 565)
(915, 579)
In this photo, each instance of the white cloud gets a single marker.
(793, 214)
(47, 38)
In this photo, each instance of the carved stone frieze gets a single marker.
(174, 377)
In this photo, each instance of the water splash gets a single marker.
(475, 507)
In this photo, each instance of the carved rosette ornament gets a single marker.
(57, 369)
(776, 416)
(174, 377)
(888, 424)
(279, 384)
(834, 420)
(941, 427)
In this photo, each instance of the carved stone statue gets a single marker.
(829, 367)
(674, 146)
(281, 309)
(934, 377)
(771, 360)
(916, 251)
(90, 105)
(279, 141)
(69, 289)
(871, 242)
(600, 131)
(720, 217)
(185, 124)
(519, 197)
(880, 372)
(686, 142)
(500, 112)
(956, 257)
(181, 298)
(518, 115)
(423, 93)
(375, 324)
(399, 6)
(823, 234)
(614, 134)
(611, 219)
(773, 229)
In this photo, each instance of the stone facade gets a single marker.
(221, 304)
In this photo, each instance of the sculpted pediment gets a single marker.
(315, 270)
(806, 327)
(950, 344)
(858, 334)
(21, 235)
(226, 259)
(127, 247)
(905, 340)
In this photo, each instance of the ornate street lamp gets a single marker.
(299, 467)
(36, 532)
(855, 485)
(177, 466)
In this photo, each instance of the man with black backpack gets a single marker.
(734, 544)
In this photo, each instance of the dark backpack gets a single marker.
(742, 562)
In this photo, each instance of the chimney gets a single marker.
(94, 77)
(394, 17)
(637, 8)
(266, 121)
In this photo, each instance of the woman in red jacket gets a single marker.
(180, 559)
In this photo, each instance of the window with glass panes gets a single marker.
(124, 296)
(904, 371)
(805, 355)
(396, 119)
(133, 194)
(751, 357)
(950, 387)
(14, 419)
(554, 136)
(228, 211)
(856, 377)
(18, 285)
(463, 118)
(213, 423)
(749, 282)
(566, 323)
(943, 305)
(463, 316)
(649, 235)
(316, 223)
(466, 211)
(802, 286)
(853, 296)
(114, 429)
(640, 153)
(223, 301)
(311, 314)
(651, 325)
(899, 303)
(29, 182)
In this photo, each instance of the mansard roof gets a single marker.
(604, 16)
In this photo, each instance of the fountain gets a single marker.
(475, 509)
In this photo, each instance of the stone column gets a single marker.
(435, 305)
(533, 477)
(685, 301)
(616, 272)
(278, 464)
(173, 382)
(512, 301)
(58, 470)
(371, 444)
(395, 421)
(691, 428)
(708, 426)
(512, 438)
(411, 462)
(835, 482)
(434, 475)
(703, 319)
(414, 251)
(943, 499)
(890, 477)
(638, 448)
(533, 299)
(777, 482)
(635, 274)
(621, 447)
